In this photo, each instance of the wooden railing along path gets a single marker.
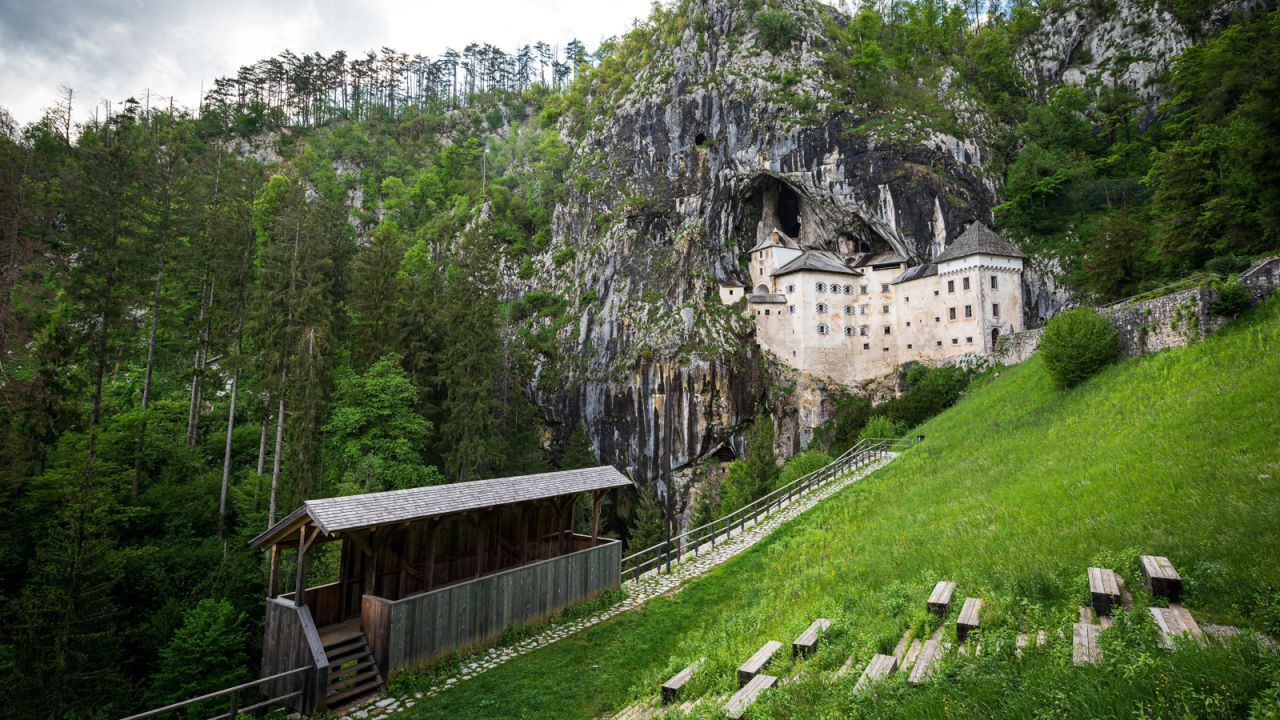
(653, 558)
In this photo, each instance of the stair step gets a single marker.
(336, 673)
(343, 643)
(335, 700)
(352, 680)
(347, 655)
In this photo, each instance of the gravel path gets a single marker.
(639, 590)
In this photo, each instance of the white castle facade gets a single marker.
(859, 317)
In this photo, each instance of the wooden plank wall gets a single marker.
(290, 641)
(424, 627)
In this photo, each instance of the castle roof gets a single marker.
(777, 238)
(815, 261)
(885, 258)
(916, 273)
(978, 239)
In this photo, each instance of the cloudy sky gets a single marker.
(113, 49)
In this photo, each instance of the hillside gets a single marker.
(1012, 494)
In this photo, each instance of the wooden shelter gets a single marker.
(426, 571)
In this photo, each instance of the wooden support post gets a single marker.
(476, 526)
(300, 585)
(273, 574)
(430, 569)
(524, 534)
(595, 517)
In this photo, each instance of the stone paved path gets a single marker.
(638, 590)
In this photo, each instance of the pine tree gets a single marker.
(578, 452)
(647, 520)
(377, 296)
(761, 463)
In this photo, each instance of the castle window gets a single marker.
(995, 283)
(822, 287)
(866, 346)
(887, 330)
(908, 323)
(848, 309)
(969, 340)
(766, 311)
(908, 346)
(995, 309)
(791, 288)
(935, 293)
(937, 319)
(951, 313)
(884, 287)
(885, 349)
(951, 286)
(955, 341)
(966, 283)
(968, 311)
(791, 308)
(884, 309)
(823, 329)
(864, 330)
(848, 331)
(862, 310)
(939, 343)
(848, 289)
(864, 289)
(822, 307)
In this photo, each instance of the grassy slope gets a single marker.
(1014, 492)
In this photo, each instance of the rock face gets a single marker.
(694, 161)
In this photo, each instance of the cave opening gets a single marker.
(787, 210)
(700, 139)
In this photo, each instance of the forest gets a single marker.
(303, 288)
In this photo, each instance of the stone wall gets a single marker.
(1168, 321)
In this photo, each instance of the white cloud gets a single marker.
(104, 51)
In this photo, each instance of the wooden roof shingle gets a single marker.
(351, 512)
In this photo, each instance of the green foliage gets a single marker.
(207, 653)
(1076, 344)
(929, 391)
(800, 465)
(1234, 297)
(881, 426)
(577, 451)
(647, 522)
(777, 28)
(841, 431)
(374, 437)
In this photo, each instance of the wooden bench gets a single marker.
(1084, 644)
(1104, 590)
(1161, 579)
(940, 601)
(1173, 621)
(671, 688)
(968, 619)
(879, 668)
(930, 652)
(756, 663)
(808, 640)
(741, 700)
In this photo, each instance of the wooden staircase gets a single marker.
(353, 673)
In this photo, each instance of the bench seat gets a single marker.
(756, 663)
(1161, 578)
(1104, 590)
(940, 600)
(741, 700)
(968, 619)
(808, 640)
(879, 668)
(671, 688)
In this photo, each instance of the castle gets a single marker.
(858, 317)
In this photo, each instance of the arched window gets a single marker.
(791, 288)
(848, 331)
(848, 309)
(821, 287)
(822, 307)
(848, 289)
(824, 329)
(791, 308)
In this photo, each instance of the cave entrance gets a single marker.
(787, 210)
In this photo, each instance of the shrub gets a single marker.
(1076, 344)
(880, 426)
(841, 431)
(1233, 298)
(205, 654)
(801, 465)
(777, 28)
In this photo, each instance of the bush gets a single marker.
(1233, 299)
(801, 465)
(880, 426)
(841, 431)
(777, 29)
(205, 654)
(928, 392)
(1076, 344)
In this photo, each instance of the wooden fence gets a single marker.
(653, 558)
(415, 630)
(290, 634)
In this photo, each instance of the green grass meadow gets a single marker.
(1013, 493)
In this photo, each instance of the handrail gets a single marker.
(1186, 283)
(228, 691)
(864, 451)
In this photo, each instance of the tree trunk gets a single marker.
(195, 370)
(275, 464)
(231, 426)
(262, 450)
(146, 383)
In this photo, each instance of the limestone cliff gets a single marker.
(690, 159)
